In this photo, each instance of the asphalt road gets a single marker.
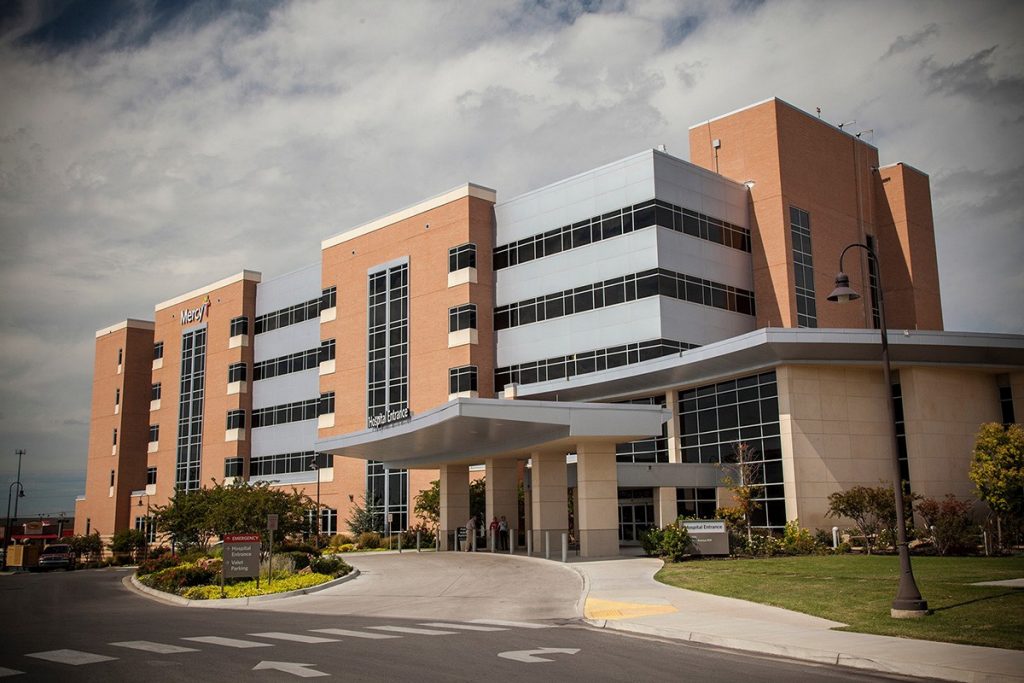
(86, 626)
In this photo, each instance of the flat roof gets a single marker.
(467, 190)
(251, 275)
(766, 348)
(130, 322)
(469, 430)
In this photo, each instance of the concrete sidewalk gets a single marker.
(622, 594)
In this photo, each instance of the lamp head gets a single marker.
(843, 293)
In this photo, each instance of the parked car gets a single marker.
(57, 556)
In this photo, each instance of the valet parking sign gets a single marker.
(241, 555)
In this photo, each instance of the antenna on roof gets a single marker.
(869, 131)
(818, 109)
(846, 123)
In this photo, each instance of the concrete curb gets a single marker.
(133, 584)
(845, 659)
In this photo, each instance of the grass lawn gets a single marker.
(858, 589)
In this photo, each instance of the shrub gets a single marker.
(763, 544)
(292, 547)
(369, 539)
(952, 529)
(156, 564)
(823, 537)
(427, 536)
(339, 540)
(175, 579)
(248, 589)
(799, 541)
(672, 542)
(346, 547)
(300, 560)
(331, 566)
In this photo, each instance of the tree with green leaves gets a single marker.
(997, 470)
(873, 511)
(745, 481)
(87, 547)
(428, 501)
(364, 519)
(129, 542)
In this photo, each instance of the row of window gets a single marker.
(619, 222)
(295, 362)
(586, 362)
(645, 450)
(648, 283)
(462, 317)
(293, 412)
(297, 313)
(462, 379)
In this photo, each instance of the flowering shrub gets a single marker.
(672, 542)
(331, 566)
(157, 564)
(248, 589)
(175, 579)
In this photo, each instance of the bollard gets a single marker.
(565, 548)
(547, 545)
(984, 541)
(512, 536)
(472, 543)
(529, 543)
(490, 532)
(398, 538)
(835, 537)
(417, 541)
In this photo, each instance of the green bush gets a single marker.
(176, 579)
(799, 541)
(672, 542)
(292, 547)
(951, 527)
(331, 566)
(369, 539)
(346, 547)
(248, 589)
(763, 544)
(300, 560)
(338, 540)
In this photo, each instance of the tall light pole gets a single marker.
(315, 465)
(20, 452)
(7, 525)
(908, 602)
(146, 526)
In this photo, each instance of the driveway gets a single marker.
(451, 585)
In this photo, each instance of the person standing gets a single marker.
(503, 532)
(470, 533)
(494, 533)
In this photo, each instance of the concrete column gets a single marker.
(501, 490)
(576, 508)
(454, 502)
(597, 517)
(665, 508)
(549, 502)
(672, 427)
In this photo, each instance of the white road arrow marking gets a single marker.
(293, 668)
(530, 657)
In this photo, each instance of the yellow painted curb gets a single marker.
(610, 609)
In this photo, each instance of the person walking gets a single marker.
(470, 533)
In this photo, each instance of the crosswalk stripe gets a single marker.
(414, 631)
(514, 624)
(294, 637)
(228, 642)
(159, 648)
(464, 627)
(72, 657)
(9, 672)
(352, 634)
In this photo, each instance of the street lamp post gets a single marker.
(7, 525)
(314, 465)
(20, 452)
(908, 602)
(146, 526)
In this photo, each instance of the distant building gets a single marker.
(680, 304)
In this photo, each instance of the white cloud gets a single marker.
(152, 161)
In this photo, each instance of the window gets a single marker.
(239, 326)
(158, 350)
(115, 436)
(285, 413)
(120, 356)
(286, 463)
(647, 214)
(327, 351)
(154, 433)
(117, 397)
(293, 362)
(714, 418)
(232, 467)
(326, 406)
(876, 316)
(237, 372)
(236, 419)
(111, 477)
(460, 257)
(631, 287)
(388, 340)
(146, 525)
(189, 453)
(290, 315)
(462, 379)
(462, 317)
(1006, 399)
(696, 502)
(901, 429)
(803, 267)
(154, 392)
(645, 450)
(328, 298)
(387, 496)
(150, 476)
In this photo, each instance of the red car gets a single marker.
(58, 556)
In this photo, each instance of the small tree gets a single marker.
(872, 509)
(87, 547)
(428, 504)
(997, 470)
(128, 541)
(185, 518)
(744, 484)
(950, 523)
(363, 519)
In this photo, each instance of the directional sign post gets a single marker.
(241, 557)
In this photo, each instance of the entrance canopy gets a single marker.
(467, 430)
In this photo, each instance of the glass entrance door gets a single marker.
(636, 514)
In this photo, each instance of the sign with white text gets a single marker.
(241, 555)
(709, 537)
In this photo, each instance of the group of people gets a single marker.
(498, 527)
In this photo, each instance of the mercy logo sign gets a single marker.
(195, 315)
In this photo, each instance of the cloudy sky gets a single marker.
(148, 148)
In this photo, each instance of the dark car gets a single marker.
(58, 556)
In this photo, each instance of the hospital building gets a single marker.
(605, 341)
